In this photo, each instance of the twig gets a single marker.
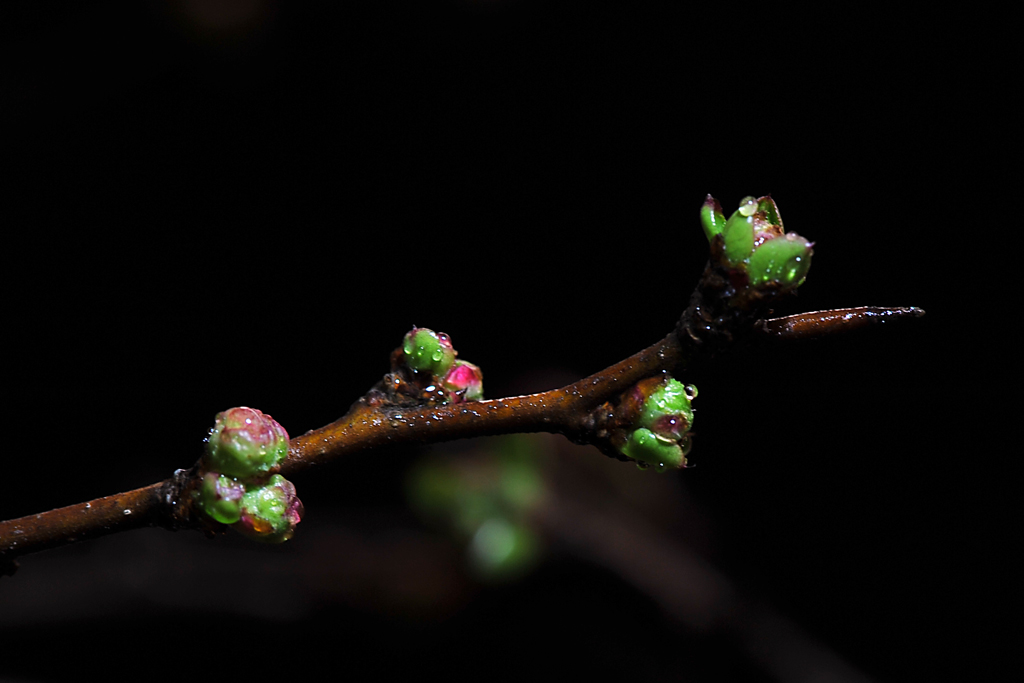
(565, 411)
(821, 323)
(724, 309)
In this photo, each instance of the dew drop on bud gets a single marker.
(748, 205)
(691, 391)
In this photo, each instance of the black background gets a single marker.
(218, 204)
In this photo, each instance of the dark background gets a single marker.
(211, 204)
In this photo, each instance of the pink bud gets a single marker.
(465, 382)
(244, 442)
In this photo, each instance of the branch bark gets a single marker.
(714, 321)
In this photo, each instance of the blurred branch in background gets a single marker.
(506, 505)
(501, 495)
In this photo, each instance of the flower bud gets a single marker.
(650, 449)
(767, 207)
(465, 382)
(660, 413)
(667, 411)
(271, 512)
(428, 351)
(784, 260)
(739, 237)
(756, 239)
(220, 497)
(711, 217)
(245, 442)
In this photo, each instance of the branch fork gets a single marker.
(632, 410)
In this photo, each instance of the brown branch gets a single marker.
(110, 514)
(817, 324)
(559, 411)
(715, 318)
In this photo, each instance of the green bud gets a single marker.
(220, 497)
(755, 240)
(739, 237)
(661, 412)
(667, 411)
(784, 260)
(766, 205)
(428, 351)
(245, 442)
(659, 452)
(271, 512)
(711, 217)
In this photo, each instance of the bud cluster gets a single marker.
(236, 487)
(755, 241)
(662, 415)
(431, 355)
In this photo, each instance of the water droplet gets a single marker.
(127, 512)
(88, 505)
(748, 205)
(691, 391)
